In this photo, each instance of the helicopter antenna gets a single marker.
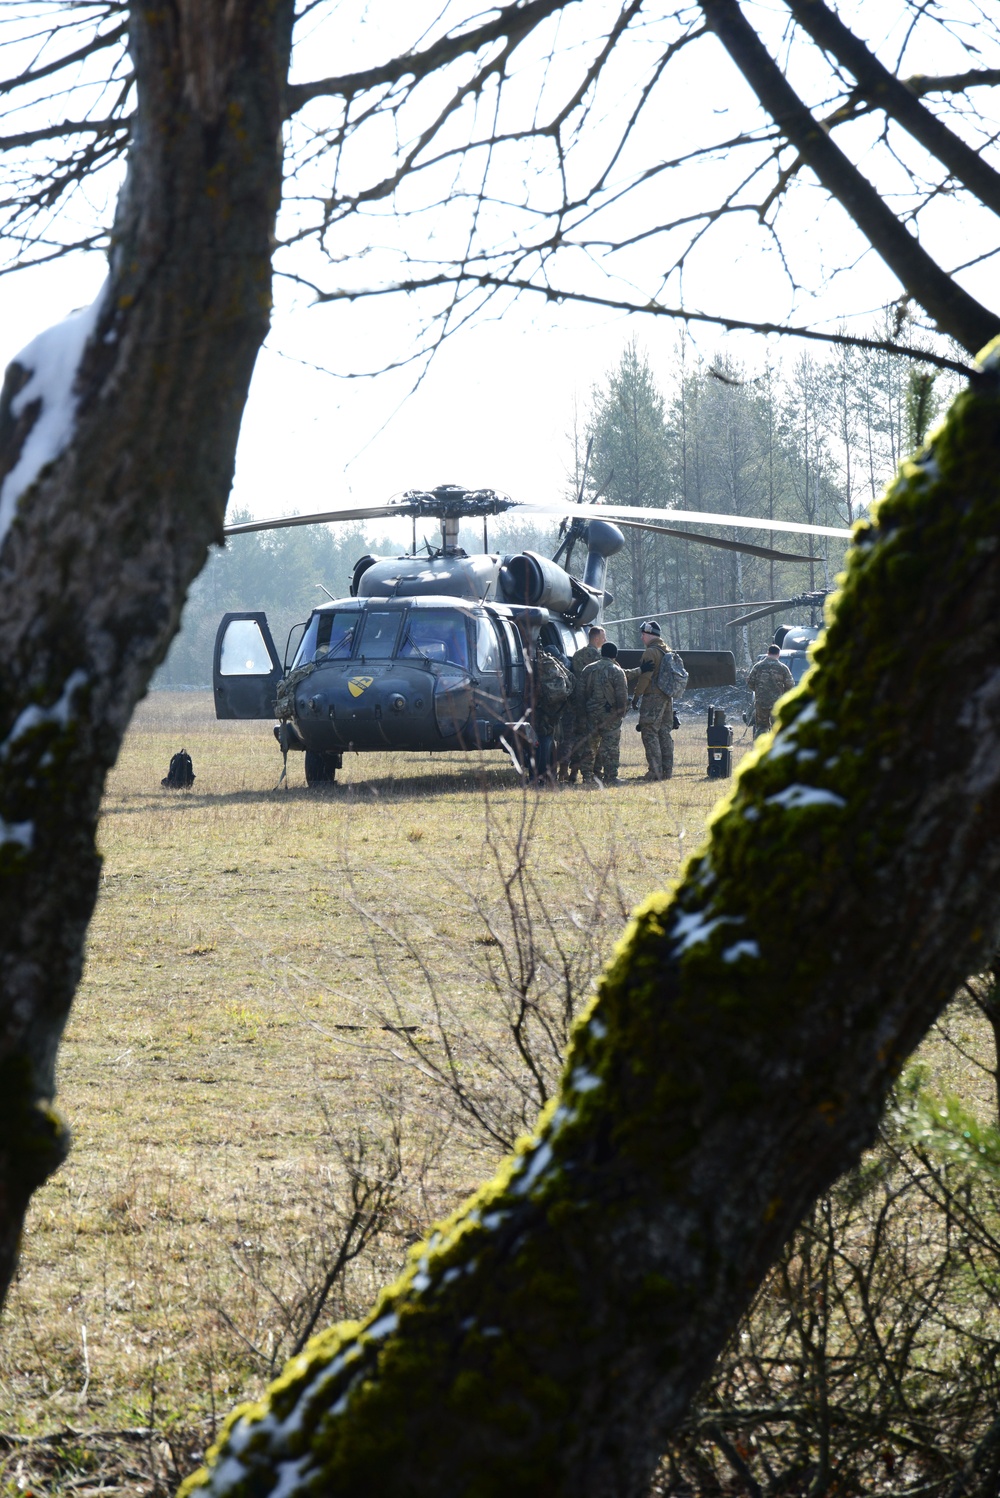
(326, 590)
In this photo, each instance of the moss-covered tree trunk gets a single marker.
(733, 1064)
(138, 457)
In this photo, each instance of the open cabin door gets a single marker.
(245, 670)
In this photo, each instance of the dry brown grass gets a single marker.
(203, 1070)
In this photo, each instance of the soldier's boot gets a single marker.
(588, 756)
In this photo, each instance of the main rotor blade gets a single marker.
(693, 517)
(362, 512)
(419, 506)
(447, 502)
(700, 608)
(746, 547)
(773, 608)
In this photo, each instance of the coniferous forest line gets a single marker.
(813, 439)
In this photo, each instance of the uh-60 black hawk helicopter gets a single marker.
(434, 652)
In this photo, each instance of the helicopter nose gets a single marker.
(315, 705)
(397, 702)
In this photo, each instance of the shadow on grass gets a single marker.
(395, 788)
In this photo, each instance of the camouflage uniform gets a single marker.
(574, 723)
(605, 695)
(656, 715)
(769, 680)
(551, 693)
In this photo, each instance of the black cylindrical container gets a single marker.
(720, 745)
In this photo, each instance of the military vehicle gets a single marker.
(793, 639)
(431, 651)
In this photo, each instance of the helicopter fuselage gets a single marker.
(422, 673)
(417, 673)
(429, 653)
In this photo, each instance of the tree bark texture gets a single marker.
(733, 1064)
(104, 544)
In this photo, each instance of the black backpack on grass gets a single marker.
(180, 776)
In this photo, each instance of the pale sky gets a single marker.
(496, 405)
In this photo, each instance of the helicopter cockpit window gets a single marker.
(436, 635)
(243, 650)
(328, 637)
(335, 635)
(378, 639)
(488, 656)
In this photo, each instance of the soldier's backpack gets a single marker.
(555, 682)
(180, 776)
(671, 676)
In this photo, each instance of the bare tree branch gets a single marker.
(887, 92)
(953, 309)
(953, 83)
(513, 23)
(651, 308)
(68, 127)
(97, 44)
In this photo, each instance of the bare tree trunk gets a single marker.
(547, 1337)
(104, 544)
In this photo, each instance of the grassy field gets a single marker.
(250, 946)
(257, 1048)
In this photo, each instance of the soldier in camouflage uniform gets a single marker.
(769, 680)
(656, 709)
(574, 724)
(605, 693)
(552, 686)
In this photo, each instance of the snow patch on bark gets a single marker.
(741, 949)
(540, 1161)
(34, 716)
(53, 359)
(17, 832)
(383, 1327)
(694, 927)
(290, 1476)
(582, 1080)
(795, 796)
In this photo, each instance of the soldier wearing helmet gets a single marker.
(656, 708)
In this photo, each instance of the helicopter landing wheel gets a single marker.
(321, 768)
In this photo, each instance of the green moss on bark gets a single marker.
(731, 1064)
(33, 1131)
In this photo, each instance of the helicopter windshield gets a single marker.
(335, 636)
(328, 637)
(436, 635)
(379, 637)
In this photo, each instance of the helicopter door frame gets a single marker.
(514, 673)
(248, 691)
(491, 667)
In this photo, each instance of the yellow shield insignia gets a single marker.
(357, 684)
